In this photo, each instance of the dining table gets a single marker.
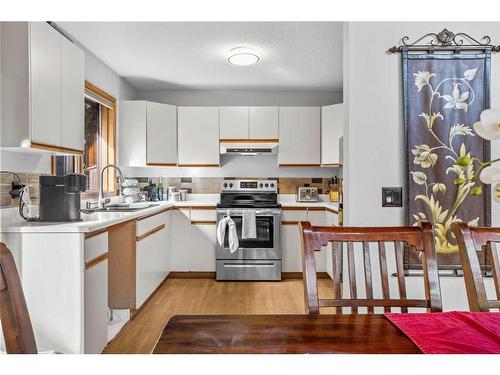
(281, 334)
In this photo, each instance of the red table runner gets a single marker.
(451, 332)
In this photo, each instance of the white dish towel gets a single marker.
(248, 225)
(232, 234)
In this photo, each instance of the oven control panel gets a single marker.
(249, 185)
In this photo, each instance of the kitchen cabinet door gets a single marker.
(203, 237)
(332, 122)
(263, 122)
(233, 123)
(299, 136)
(198, 136)
(292, 251)
(72, 95)
(132, 133)
(151, 255)
(45, 68)
(180, 239)
(161, 134)
(96, 308)
(318, 218)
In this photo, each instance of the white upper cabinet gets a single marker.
(45, 61)
(42, 88)
(161, 134)
(233, 122)
(72, 95)
(147, 133)
(132, 133)
(198, 136)
(299, 136)
(332, 122)
(263, 122)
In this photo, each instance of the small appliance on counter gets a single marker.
(151, 191)
(307, 194)
(60, 197)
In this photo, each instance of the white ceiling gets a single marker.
(170, 55)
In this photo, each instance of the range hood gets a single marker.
(249, 148)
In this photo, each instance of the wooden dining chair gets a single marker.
(470, 241)
(418, 237)
(16, 324)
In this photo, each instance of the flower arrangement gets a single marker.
(464, 166)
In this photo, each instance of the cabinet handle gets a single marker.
(149, 232)
(94, 262)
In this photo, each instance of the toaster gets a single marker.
(307, 194)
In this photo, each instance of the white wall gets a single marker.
(242, 97)
(373, 133)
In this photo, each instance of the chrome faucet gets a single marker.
(101, 201)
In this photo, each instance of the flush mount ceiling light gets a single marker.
(243, 56)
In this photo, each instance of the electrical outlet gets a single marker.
(392, 197)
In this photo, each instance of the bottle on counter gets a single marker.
(160, 191)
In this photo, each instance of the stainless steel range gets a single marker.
(256, 258)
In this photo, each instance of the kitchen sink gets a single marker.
(126, 208)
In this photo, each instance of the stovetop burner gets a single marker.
(249, 194)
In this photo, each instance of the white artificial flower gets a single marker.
(490, 175)
(422, 79)
(489, 125)
(470, 74)
(457, 100)
(423, 156)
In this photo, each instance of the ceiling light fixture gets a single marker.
(243, 56)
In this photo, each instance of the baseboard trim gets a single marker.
(191, 275)
(211, 275)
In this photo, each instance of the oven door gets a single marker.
(266, 245)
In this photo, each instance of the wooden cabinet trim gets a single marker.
(94, 262)
(253, 140)
(198, 165)
(316, 208)
(289, 222)
(153, 214)
(332, 165)
(149, 232)
(203, 207)
(299, 165)
(203, 222)
(95, 233)
(294, 208)
(162, 164)
(42, 146)
(332, 210)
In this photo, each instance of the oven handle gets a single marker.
(242, 265)
(257, 212)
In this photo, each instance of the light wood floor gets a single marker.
(207, 296)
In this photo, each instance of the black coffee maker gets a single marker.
(60, 197)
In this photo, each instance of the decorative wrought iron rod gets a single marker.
(446, 41)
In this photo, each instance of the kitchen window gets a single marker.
(99, 146)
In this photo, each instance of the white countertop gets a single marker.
(11, 222)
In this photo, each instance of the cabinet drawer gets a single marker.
(294, 215)
(96, 246)
(149, 223)
(203, 214)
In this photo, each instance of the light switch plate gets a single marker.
(392, 197)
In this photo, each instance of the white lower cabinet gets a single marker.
(96, 294)
(203, 237)
(318, 218)
(151, 256)
(292, 251)
(181, 239)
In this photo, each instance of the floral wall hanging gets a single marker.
(444, 94)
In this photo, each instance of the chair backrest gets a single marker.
(16, 323)
(470, 241)
(420, 238)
